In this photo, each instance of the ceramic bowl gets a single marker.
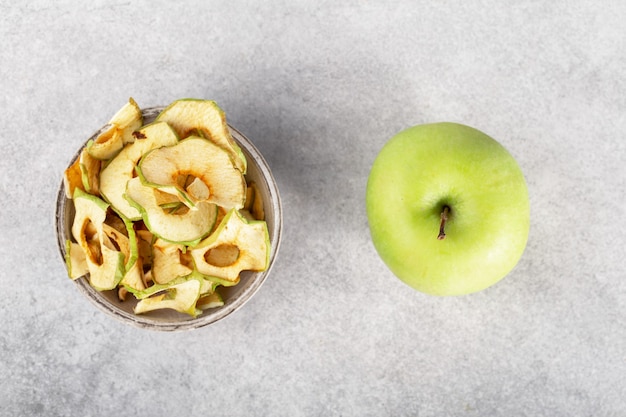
(234, 297)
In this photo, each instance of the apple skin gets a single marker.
(427, 167)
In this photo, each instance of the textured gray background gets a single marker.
(319, 86)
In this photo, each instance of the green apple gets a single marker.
(447, 208)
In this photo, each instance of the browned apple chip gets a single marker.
(72, 179)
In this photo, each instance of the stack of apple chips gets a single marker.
(163, 210)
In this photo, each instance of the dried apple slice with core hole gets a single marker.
(225, 185)
(251, 240)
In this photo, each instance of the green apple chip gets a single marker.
(104, 262)
(236, 245)
(215, 179)
(187, 228)
(180, 297)
(192, 117)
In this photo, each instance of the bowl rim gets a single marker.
(214, 315)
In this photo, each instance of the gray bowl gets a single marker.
(234, 297)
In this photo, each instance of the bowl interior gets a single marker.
(234, 297)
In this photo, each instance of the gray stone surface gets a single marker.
(319, 86)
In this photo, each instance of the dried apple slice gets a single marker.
(75, 260)
(192, 116)
(187, 228)
(180, 297)
(118, 132)
(108, 143)
(206, 162)
(105, 264)
(236, 245)
(127, 120)
(90, 172)
(73, 179)
(122, 234)
(120, 169)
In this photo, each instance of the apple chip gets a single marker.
(236, 245)
(191, 117)
(72, 179)
(222, 183)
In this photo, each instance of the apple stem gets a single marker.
(444, 219)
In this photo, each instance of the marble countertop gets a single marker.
(319, 86)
